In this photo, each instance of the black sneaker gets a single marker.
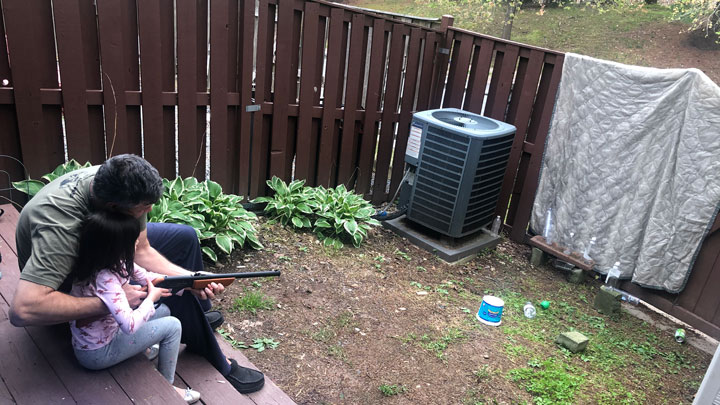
(245, 380)
(215, 318)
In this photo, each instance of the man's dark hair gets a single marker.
(126, 181)
(107, 241)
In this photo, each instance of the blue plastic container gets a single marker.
(490, 311)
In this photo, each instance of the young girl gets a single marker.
(104, 265)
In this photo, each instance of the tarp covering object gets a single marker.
(632, 158)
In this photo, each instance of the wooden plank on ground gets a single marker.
(5, 396)
(271, 394)
(8, 222)
(85, 386)
(144, 384)
(201, 376)
(10, 273)
(28, 376)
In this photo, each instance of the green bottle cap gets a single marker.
(545, 304)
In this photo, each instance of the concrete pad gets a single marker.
(452, 250)
(607, 301)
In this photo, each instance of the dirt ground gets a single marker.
(389, 314)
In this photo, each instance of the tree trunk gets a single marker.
(509, 17)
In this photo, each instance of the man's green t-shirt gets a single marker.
(47, 233)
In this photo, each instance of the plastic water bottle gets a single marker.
(547, 232)
(495, 230)
(568, 250)
(630, 299)
(586, 253)
(613, 276)
(529, 310)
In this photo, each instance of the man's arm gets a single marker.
(35, 304)
(149, 258)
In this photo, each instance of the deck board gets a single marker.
(37, 365)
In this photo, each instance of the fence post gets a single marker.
(441, 60)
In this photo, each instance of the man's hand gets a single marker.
(208, 292)
(135, 294)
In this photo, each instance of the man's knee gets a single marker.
(185, 235)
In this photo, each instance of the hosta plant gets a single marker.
(31, 187)
(342, 216)
(219, 219)
(289, 204)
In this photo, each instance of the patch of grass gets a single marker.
(252, 301)
(438, 346)
(338, 352)
(550, 383)
(324, 335)
(615, 392)
(389, 390)
(483, 373)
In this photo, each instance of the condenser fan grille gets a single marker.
(466, 121)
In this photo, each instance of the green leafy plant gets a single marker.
(234, 343)
(260, 344)
(389, 390)
(342, 216)
(219, 219)
(31, 187)
(551, 382)
(289, 204)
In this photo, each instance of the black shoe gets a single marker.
(215, 318)
(245, 380)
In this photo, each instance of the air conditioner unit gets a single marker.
(459, 160)
(709, 392)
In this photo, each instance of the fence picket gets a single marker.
(389, 114)
(459, 67)
(191, 60)
(355, 77)
(372, 104)
(247, 137)
(327, 156)
(28, 29)
(477, 83)
(408, 97)
(502, 81)
(309, 87)
(78, 58)
(117, 26)
(157, 54)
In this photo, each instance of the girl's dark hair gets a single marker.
(107, 241)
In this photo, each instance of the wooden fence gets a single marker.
(335, 89)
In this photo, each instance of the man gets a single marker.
(47, 242)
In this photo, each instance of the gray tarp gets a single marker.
(633, 158)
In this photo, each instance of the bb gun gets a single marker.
(199, 280)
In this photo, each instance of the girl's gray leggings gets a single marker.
(161, 328)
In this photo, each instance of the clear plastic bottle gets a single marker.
(569, 243)
(529, 310)
(495, 229)
(548, 231)
(586, 253)
(613, 275)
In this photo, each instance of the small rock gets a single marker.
(486, 356)
(402, 309)
(422, 293)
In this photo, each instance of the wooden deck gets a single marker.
(37, 365)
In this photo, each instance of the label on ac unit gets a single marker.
(413, 144)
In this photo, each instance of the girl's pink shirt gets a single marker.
(108, 287)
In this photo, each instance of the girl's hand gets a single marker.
(155, 293)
